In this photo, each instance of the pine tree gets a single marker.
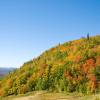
(88, 37)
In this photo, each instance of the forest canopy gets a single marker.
(71, 67)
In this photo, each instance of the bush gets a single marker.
(42, 84)
(31, 85)
(22, 89)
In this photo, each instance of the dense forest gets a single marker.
(70, 67)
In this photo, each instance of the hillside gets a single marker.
(4, 71)
(72, 66)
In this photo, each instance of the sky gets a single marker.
(29, 27)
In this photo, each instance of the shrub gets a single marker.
(22, 89)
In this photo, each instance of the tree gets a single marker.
(88, 37)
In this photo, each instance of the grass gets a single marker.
(43, 95)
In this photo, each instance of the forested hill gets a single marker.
(72, 66)
(5, 70)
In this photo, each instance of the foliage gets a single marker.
(72, 66)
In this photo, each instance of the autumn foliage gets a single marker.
(72, 66)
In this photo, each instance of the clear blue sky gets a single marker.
(29, 27)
